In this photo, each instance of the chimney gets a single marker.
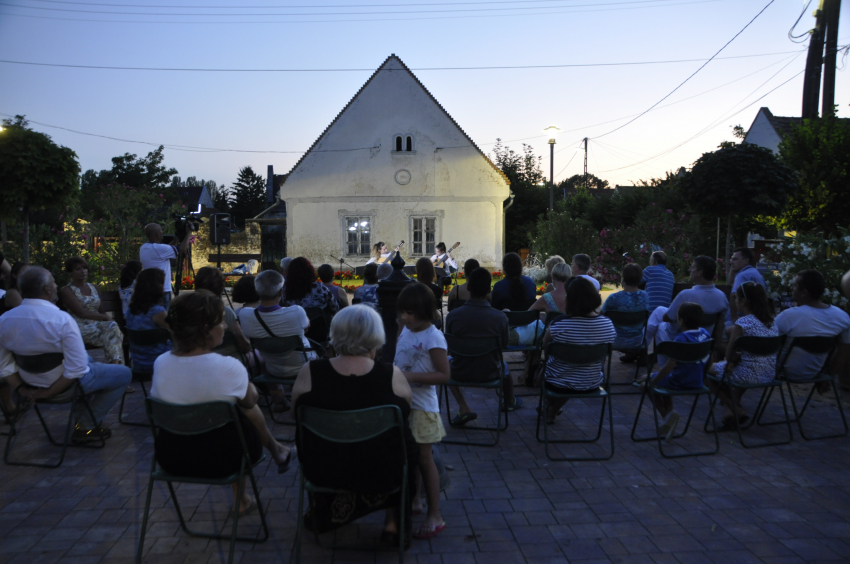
(270, 185)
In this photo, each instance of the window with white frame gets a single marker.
(358, 235)
(423, 235)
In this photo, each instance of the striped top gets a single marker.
(659, 286)
(578, 331)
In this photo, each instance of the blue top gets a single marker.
(747, 274)
(688, 376)
(143, 357)
(629, 336)
(501, 295)
(659, 286)
(368, 294)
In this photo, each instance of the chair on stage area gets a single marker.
(578, 355)
(189, 420)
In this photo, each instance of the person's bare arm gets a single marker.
(839, 359)
(401, 387)
(102, 308)
(733, 356)
(733, 309)
(303, 384)
(663, 373)
(442, 370)
(539, 305)
(5, 269)
(159, 320)
(250, 399)
(242, 342)
(59, 386)
(70, 301)
(343, 298)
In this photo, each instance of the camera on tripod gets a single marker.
(183, 224)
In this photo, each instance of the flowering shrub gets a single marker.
(346, 275)
(830, 257)
(536, 274)
(187, 283)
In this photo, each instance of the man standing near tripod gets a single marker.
(154, 254)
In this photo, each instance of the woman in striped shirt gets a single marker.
(582, 325)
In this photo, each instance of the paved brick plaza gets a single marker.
(785, 504)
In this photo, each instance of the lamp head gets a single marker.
(553, 133)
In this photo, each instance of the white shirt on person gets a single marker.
(187, 380)
(450, 261)
(375, 259)
(593, 280)
(412, 354)
(283, 322)
(36, 327)
(157, 255)
(807, 321)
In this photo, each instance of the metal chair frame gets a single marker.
(472, 347)
(631, 319)
(686, 353)
(280, 346)
(579, 355)
(195, 420)
(145, 338)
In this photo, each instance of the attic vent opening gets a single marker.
(398, 143)
(409, 146)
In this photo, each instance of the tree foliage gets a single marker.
(819, 152)
(249, 196)
(531, 199)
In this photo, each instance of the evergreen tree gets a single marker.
(249, 196)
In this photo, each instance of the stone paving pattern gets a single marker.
(506, 504)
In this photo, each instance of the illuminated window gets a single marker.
(358, 235)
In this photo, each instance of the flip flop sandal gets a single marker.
(285, 465)
(430, 534)
(464, 419)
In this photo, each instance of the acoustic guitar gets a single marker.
(388, 258)
(441, 260)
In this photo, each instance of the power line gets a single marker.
(209, 6)
(421, 69)
(692, 75)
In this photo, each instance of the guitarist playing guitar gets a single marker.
(380, 253)
(443, 258)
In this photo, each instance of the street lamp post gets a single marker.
(553, 132)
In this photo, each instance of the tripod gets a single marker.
(341, 262)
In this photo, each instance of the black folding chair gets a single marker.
(198, 419)
(320, 324)
(39, 364)
(481, 348)
(685, 353)
(756, 346)
(142, 374)
(577, 355)
(814, 346)
(347, 428)
(631, 319)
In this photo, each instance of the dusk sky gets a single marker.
(278, 115)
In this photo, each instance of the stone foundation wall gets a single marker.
(245, 242)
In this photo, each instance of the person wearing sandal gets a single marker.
(353, 380)
(192, 374)
(477, 318)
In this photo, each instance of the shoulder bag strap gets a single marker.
(263, 323)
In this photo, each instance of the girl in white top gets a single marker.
(379, 251)
(422, 356)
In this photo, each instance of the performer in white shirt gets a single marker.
(445, 256)
(154, 254)
(380, 253)
(37, 326)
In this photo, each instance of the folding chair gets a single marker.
(521, 319)
(756, 346)
(278, 346)
(320, 324)
(347, 428)
(578, 355)
(631, 319)
(142, 374)
(814, 346)
(39, 364)
(195, 420)
(685, 353)
(483, 348)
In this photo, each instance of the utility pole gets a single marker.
(814, 64)
(551, 174)
(831, 12)
(585, 163)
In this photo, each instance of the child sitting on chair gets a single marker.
(673, 376)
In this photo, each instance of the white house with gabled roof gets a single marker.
(393, 165)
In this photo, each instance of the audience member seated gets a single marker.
(629, 299)
(425, 274)
(245, 293)
(350, 381)
(477, 318)
(581, 267)
(127, 283)
(279, 322)
(326, 276)
(82, 301)
(581, 325)
(212, 280)
(662, 324)
(302, 288)
(147, 312)
(13, 294)
(517, 291)
(556, 297)
(743, 368)
(368, 292)
(192, 374)
(461, 291)
(37, 326)
(674, 376)
(385, 269)
(742, 269)
(659, 281)
(812, 318)
(550, 264)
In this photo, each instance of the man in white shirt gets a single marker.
(37, 326)
(580, 267)
(445, 256)
(812, 318)
(154, 254)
